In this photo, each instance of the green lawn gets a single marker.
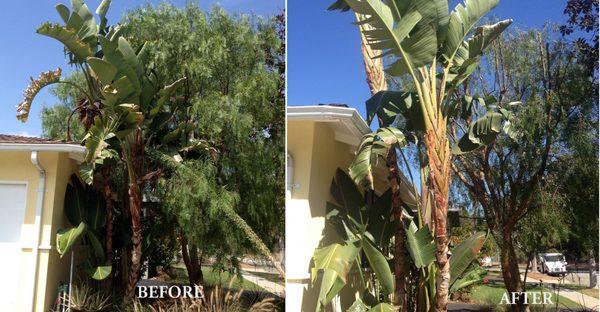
(492, 295)
(213, 278)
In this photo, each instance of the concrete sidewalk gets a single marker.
(573, 295)
(265, 283)
(535, 277)
(584, 300)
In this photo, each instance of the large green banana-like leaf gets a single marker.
(330, 286)
(379, 265)
(119, 53)
(358, 306)
(390, 31)
(63, 11)
(83, 204)
(120, 91)
(334, 262)
(389, 104)
(96, 139)
(382, 307)
(339, 5)
(374, 145)
(464, 254)
(469, 278)
(75, 201)
(66, 238)
(386, 32)
(479, 133)
(129, 119)
(89, 28)
(101, 11)
(468, 55)
(379, 220)
(96, 246)
(347, 196)
(420, 245)
(484, 36)
(100, 272)
(164, 96)
(68, 38)
(462, 20)
(96, 210)
(420, 49)
(434, 12)
(130, 56)
(86, 172)
(104, 70)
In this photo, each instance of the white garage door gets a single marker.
(12, 212)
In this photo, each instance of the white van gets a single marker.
(552, 263)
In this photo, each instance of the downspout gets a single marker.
(37, 224)
(289, 176)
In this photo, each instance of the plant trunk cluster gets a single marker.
(192, 261)
(439, 157)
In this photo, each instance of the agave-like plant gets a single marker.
(437, 50)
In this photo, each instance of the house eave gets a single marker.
(348, 117)
(76, 152)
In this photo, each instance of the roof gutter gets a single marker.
(328, 113)
(22, 147)
(37, 224)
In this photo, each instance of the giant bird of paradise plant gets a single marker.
(120, 97)
(357, 242)
(437, 50)
(128, 116)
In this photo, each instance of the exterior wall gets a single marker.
(316, 156)
(17, 166)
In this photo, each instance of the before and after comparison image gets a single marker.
(319, 156)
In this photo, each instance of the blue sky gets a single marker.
(324, 60)
(25, 54)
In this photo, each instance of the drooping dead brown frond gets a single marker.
(87, 112)
(45, 78)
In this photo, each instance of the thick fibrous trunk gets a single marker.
(400, 265)
(438, 154)
(107, 194)
(135, 156)
(510, 272)
(135, 207)
(376, 81)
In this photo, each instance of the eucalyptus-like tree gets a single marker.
(437, 50)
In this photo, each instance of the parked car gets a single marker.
(552, 263)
